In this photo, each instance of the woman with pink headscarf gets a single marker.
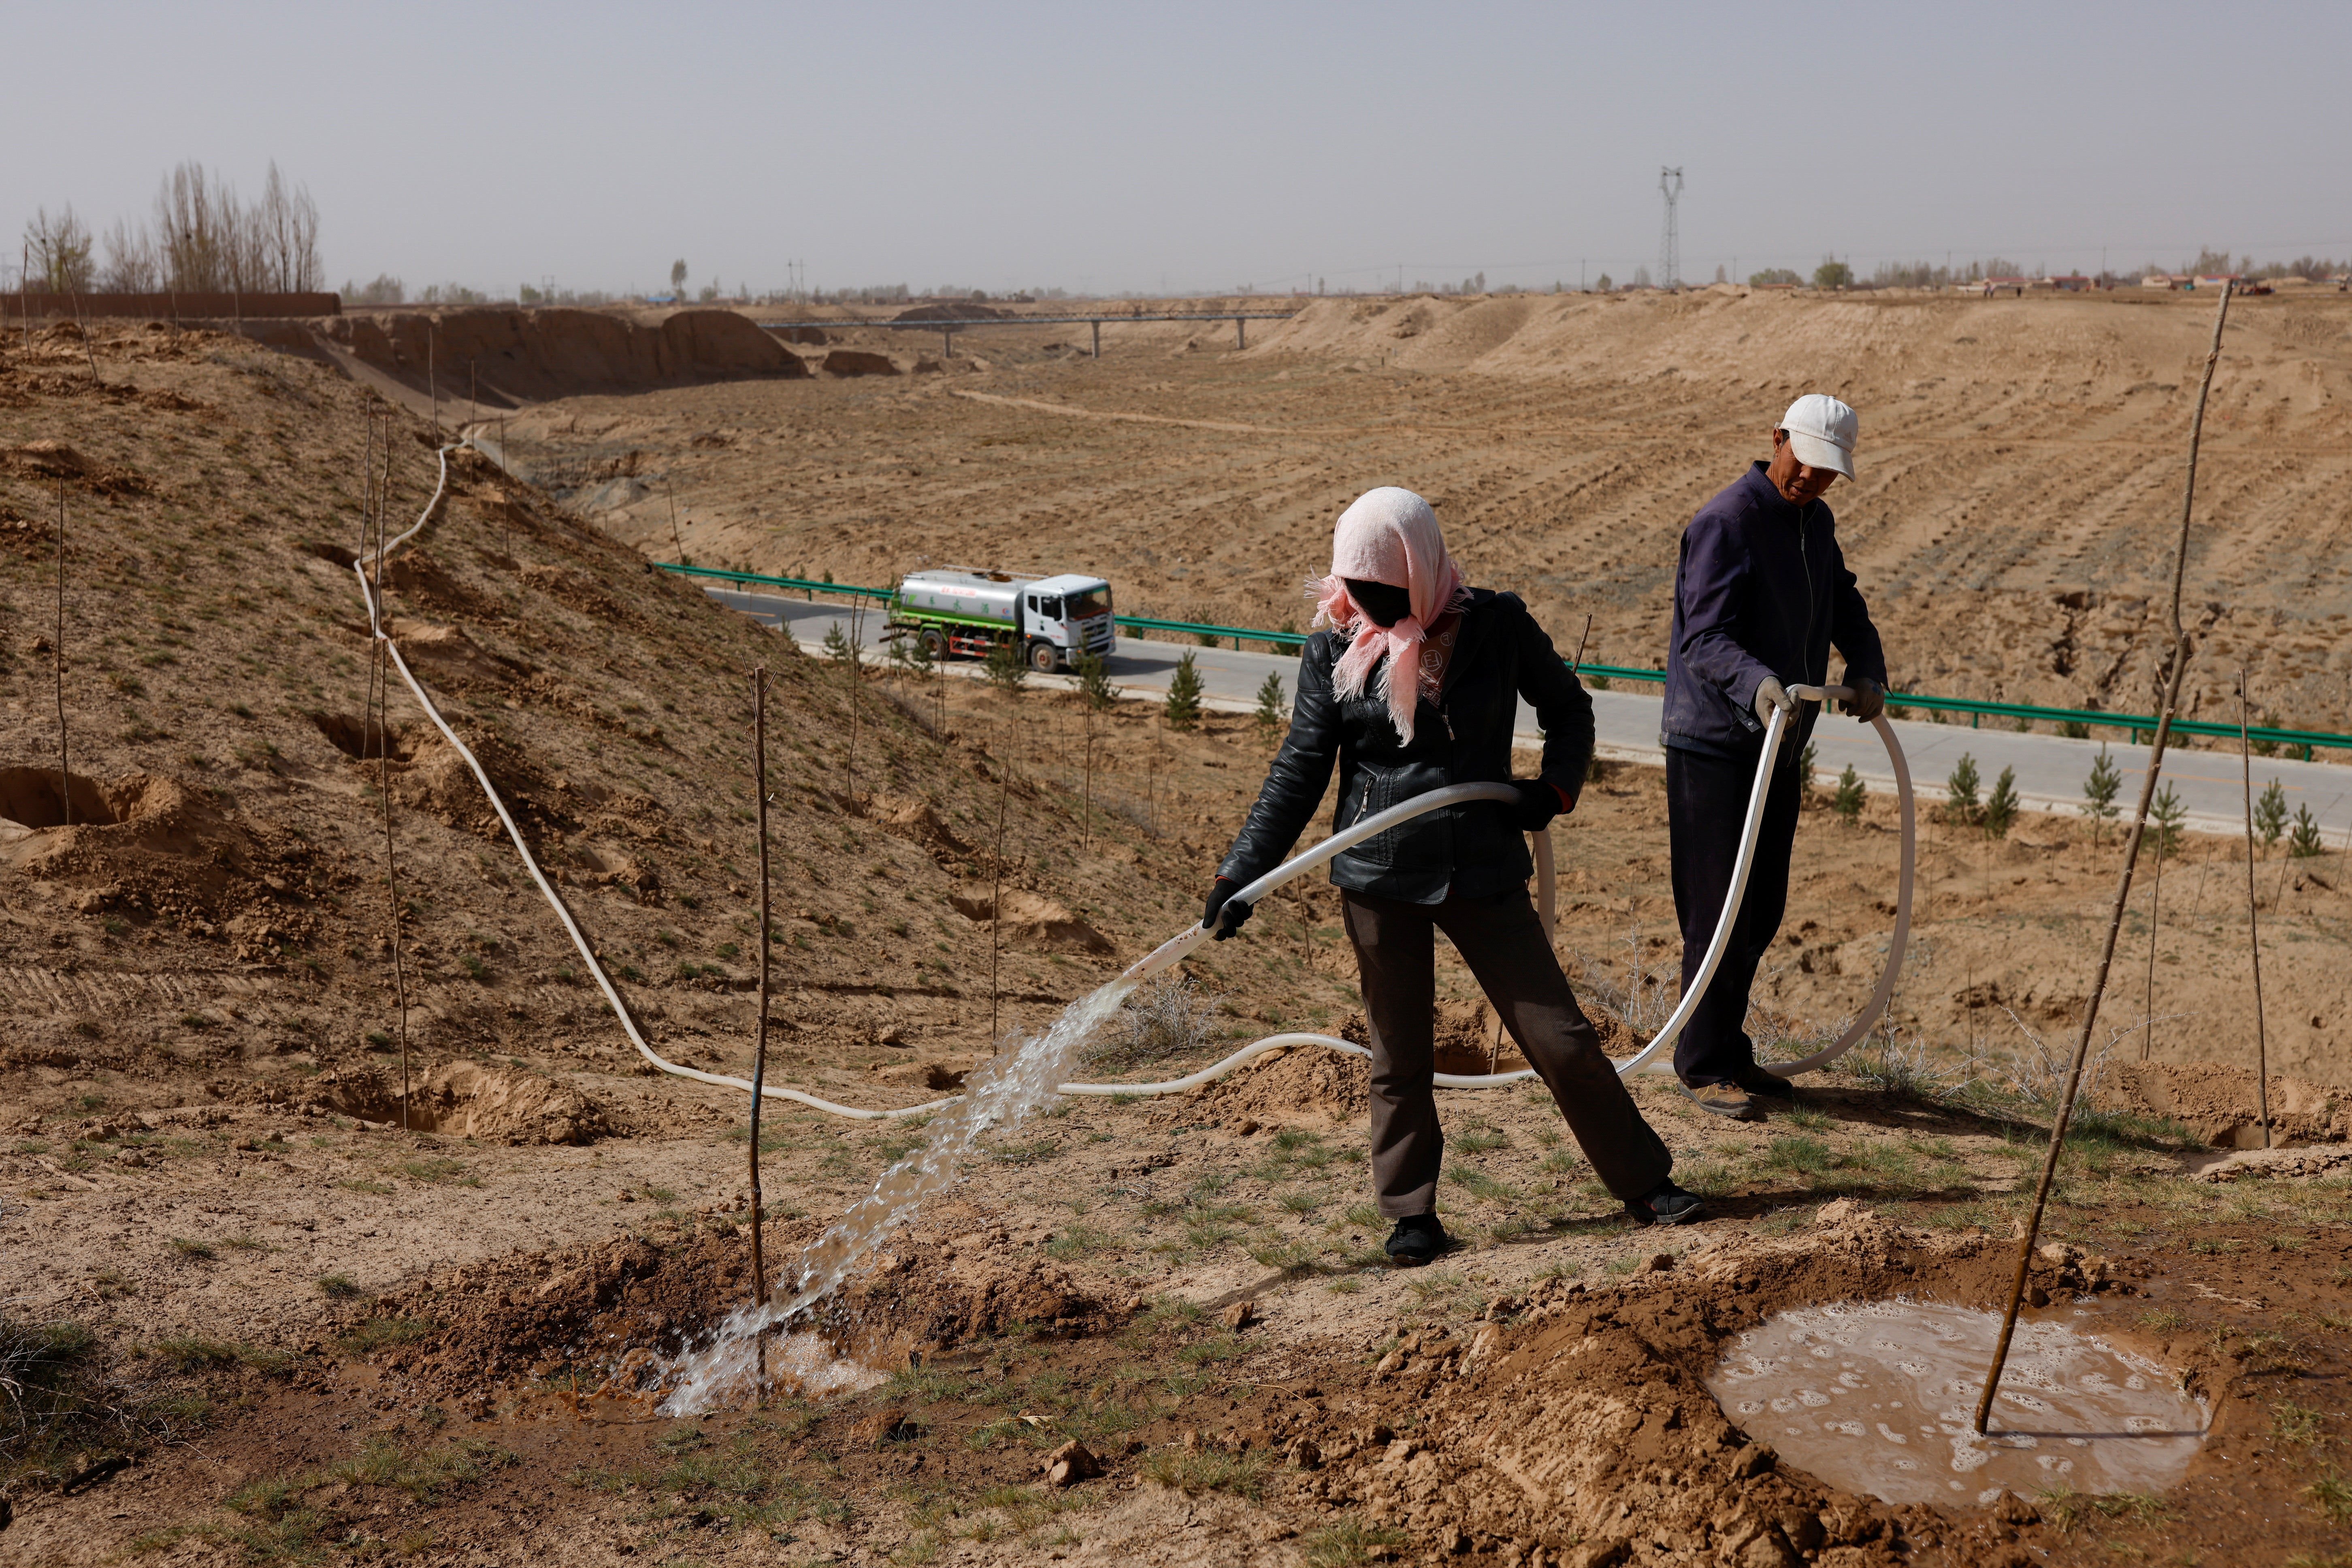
(1411, 682)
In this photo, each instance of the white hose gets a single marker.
(1173, 951)
(1757, 796)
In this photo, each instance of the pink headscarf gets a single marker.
(1389, 535)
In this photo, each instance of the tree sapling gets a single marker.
(2001, 806)
(1847, 801)
(2099, 794)
(1960, 806)
(1183, 709)
(1269, 707)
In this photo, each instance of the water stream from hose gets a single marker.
(998, 1098)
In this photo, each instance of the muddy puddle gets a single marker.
(1878, 1397)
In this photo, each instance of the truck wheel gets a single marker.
(1044, 658)
(934, 646)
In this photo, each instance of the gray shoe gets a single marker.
(1729, 1100)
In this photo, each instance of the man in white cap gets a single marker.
(1760, 594)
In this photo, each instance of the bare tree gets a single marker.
(287, 226)
(132, 265)
(193, 231)
(61, 252)
(199, 239)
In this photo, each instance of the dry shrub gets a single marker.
(1169, 1016)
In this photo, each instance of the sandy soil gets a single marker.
(312, 1334)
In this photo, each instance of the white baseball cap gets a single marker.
(1821, 432)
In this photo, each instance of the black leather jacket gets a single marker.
(1464, 851)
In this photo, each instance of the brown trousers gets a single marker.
(1504, 944)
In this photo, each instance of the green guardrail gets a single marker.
(797, 584)
(1187, 628)
(1898, 703)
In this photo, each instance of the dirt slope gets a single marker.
(218, 904)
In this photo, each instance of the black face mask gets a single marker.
(1386, 606)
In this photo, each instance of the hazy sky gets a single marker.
(1202, 146)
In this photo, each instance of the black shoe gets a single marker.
(1665, 1204)
(1772, 1086)
(1418, 1238)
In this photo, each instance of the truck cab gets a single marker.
(1064, 616)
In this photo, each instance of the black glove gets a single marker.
(1538, 804)
(1220, 899)
(1869, 697)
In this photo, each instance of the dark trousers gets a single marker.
(1504, 944)
(1706, 805)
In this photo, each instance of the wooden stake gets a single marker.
(2197, 902)
(65, 771)
(996, 904)
(857, 630)
(1087, 801)
(87, 352)
(759, 1039)
(2122, 886)
(2154, 914)
(676, 543)
(384, 769)
(2253, 920)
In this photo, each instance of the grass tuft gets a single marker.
(1193, 1472)
(1348, 1541)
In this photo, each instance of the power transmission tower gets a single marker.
(1669, 239)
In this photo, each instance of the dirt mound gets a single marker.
(605, 1314)
(1307, 1082)
(358, 737)
(49, 458)
(1470, 1041)
(573, 590)
(446, 654)
(1587, 1428)
(1031, 921)
(2218, 1104)
(2293, 1164)
(534, 355)
(859, 361)
(141, 841)
(465, 1099)
(427, 581)
(916, 821)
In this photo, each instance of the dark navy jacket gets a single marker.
(1761, 589)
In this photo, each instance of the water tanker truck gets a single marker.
(1050, 620)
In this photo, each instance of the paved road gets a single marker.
(2050, 768)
